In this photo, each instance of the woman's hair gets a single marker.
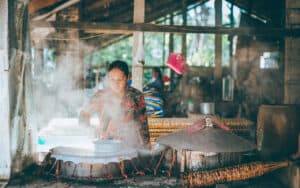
(157, 70)
(121, 65)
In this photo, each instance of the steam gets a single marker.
(59, 95)
(57, 90)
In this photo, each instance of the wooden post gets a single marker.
(218, 40)
(171, 49)
(138, 46)
(5, 157)
(183, 48)
(183, 44)
(183, 161)
(231, 55)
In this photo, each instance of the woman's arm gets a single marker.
(142, 120)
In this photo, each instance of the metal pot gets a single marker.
(207, 108)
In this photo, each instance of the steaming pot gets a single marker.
(207, 108)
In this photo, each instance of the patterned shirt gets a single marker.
(123, 119)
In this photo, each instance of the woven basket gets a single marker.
(229, 174)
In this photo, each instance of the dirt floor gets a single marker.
(32, 178)
(267, 181)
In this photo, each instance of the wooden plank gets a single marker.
(36, 5)
(292, 4)
(292, 47)
(101, 27)
(292, 71)
(292, 68)
(61, 7)
(293, 16)
(5, 157)
(98, 4)
(122, 13)
(292, 65)
(291, 93)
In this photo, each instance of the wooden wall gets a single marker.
(292, 55)
(256, 86)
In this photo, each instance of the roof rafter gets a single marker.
(126, 28)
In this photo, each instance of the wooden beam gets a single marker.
(98, 4)
(125, 28)
(61, 7)
(274, 14)
(121, 13)
(247, 5)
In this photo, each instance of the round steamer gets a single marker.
(107, 146)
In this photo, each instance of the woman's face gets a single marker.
(153, 74)
(117, 81)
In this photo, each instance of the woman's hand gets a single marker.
(84, 118)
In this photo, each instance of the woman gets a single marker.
(157, 80)
(121, 109)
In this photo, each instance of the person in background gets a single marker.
(157, 79)
(120, 108)
(154, 94)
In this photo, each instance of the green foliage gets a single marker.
(49, 54)
(154, 49)
(121, 50)
(203, 52)
(200, 47)
(225, 51)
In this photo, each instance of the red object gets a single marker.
(197, 126)
(224, 127)
(166, 79)
(177, 63)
